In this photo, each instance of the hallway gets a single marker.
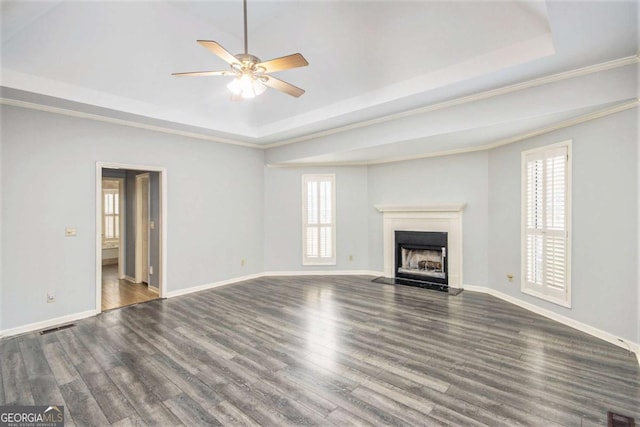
(119, 293)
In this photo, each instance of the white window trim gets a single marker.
(566, 302)
(318, 261)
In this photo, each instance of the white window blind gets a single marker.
(318, 219)
(546, 223)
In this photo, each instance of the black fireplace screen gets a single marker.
(421, 256)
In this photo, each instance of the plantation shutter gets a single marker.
(111, 213)
(318, 219)
(545, 239)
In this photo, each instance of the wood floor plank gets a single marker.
(203, 393)
(229, 415)
(190, 412)
(60, 364)
(44, 389)
(151, 410)
(15, 379)
(321, 350)
(35, 361)
(2, 395)
(81, 404)
(112, 402)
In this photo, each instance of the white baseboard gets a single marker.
(206, 286)
(323, 273)
(46, 324)
(129, 279)
(583, 327)
(154, 289)
(270, 274)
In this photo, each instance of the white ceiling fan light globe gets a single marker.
(234, 86)
(246, 86)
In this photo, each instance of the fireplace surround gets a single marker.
(440, 218)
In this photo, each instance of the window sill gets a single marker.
(548, 298)
(316, 263)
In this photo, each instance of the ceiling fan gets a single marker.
(251, 74)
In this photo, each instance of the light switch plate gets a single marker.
(70, 232)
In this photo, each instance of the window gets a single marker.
(318, 220)
(110, 212)
(546, 213)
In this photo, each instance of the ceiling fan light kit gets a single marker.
(251, 75)
(246, 86)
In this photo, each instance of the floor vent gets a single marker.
(59, 328)
(617, 420)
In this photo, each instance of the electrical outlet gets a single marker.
(51, 297)
(510, 277)
(70, 232)
(242, 262)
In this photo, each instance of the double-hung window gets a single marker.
(546, 214)
(318, 220)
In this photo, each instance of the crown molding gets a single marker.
(130, 123)
(604, 66)
(596, 68)
(505, 141)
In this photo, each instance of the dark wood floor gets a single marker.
(326, 351)
(118, 292)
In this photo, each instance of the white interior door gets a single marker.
(142, 228)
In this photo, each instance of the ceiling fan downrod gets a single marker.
(246, 40)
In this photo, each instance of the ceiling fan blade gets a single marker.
(203, 73)
(219, 50)
(282, 86)
(284, 63)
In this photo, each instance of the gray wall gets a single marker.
(215, 203)
(460, 178)
(1, 245)
(283, 218)
(219, 194)
(604, 222)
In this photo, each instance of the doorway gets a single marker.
(131, 230)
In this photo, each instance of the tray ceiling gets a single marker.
(368, 59)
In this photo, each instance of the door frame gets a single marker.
(162, 171)
(139, 267)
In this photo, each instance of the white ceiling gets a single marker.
(368, 62)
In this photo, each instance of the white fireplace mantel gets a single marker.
(449, 207)
(437, 217)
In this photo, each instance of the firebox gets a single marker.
(421, 258)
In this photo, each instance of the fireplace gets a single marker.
(445, 219)
(421, 258)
